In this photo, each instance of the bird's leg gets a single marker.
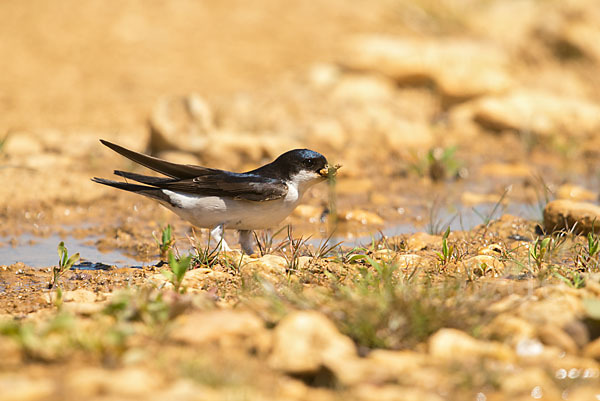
(217, 234)
(246, 241)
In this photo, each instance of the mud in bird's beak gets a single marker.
(329, 171)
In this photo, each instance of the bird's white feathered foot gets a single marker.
(247, 241)
(217, 234)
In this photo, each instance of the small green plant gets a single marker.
(438, 163)
(448, 251)
(64, 264)
(587, 258)
(166, 241)
(539, 250)
(177, 270)
(573, 279)
(487, 218)
(325, 248)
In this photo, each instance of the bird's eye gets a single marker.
(309, 162)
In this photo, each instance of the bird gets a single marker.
(218, 199)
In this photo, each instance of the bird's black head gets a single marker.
(295, 162)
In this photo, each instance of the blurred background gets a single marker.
(433, 107)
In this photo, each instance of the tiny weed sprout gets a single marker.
(447, 250)
(539, 250)
(177, 270)
(166, 241)
(64, 264)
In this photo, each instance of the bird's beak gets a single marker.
(329, 170)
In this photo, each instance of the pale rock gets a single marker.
(592, 350)
(180, 121)
(554, 336)
(363, 88)
(79, 295)
(515, 170)
(541, 113)
(452, 344)
(552, 304)
(472, 198)
(84, 308)
(433, 60)
(575, 193)
(385, 255)
(349, 186)
(509, 329)
(22, 144)
(218, 325)
(186, 390)
(195, 279)
(420, 241)
(269, 267)
(569, 215)
(409, 261)
(402, 135)
(483, 264)
(532, 382)
(328, 132)
(304, 342)
(323, 76)
(20, 388)
(309, 213)
(361, 216)
(491, 250)
(127, 382)
(392, 392)
(396, 364)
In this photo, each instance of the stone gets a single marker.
(452, 344)
(575, 193)
(409, 261)
(473, 199)
(515, 170)
(554, 336)
(21, 388)
(126, 382)
(396, 364)
(269, 267)
(79, 295)
(361, 216)
(581, 217)
(22, 144)
(420, 241)
(482, 265)
(328, 132)
(392, 392)
(592, 350)
(309, 213)
(402, 135)
(305, 342)
(349, 186)
(323, 76)
(509, 329)
(420, 61)
(363, 88)
(532, 382)
(537, 112)
(218, 325)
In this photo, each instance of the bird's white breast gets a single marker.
(210, 211)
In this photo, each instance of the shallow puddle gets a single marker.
(41, 251)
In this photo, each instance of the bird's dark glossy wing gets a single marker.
(181, 171)
(245, 186)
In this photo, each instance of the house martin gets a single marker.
(218, 199)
